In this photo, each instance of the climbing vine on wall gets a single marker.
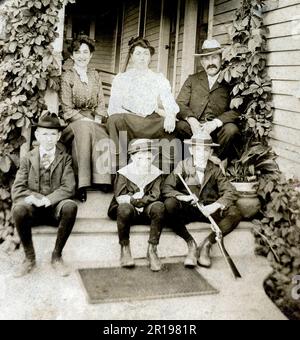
(245, 70)
(277, 230)
(28, 67)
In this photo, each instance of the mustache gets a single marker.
(212, 66)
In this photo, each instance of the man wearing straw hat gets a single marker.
(205, 103)
(209, 187)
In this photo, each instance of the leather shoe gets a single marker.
(155, 263)
(82, 195)
(25, 268)
(126, 257)
(204, 259)
(60, 268)
(191, 259)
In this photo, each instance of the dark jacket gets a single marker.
(62, 179)
(124, 186)
(197, 100)
(215, 188)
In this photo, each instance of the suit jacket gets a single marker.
(195, 96)
(215, 187)
(124, 186)
(62, 179)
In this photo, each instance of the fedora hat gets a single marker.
(210, 47)
(49, 120)
(142, 145)
(201, 139)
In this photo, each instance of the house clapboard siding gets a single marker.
(282, 17)
(152, 29)
(130, 27)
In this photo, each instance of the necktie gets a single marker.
(46, 161)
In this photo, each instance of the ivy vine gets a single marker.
(245, 70)
(28, 67)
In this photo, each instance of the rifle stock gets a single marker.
(219, 236)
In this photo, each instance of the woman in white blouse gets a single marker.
(134, 103)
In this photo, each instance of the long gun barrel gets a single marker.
(219, 236)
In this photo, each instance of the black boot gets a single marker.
(82, 195)
(191, 259)
(155, 264)
(126, 257)
(204, 259)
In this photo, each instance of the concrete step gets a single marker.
(97, 241)
(95, 236)
(96, 206)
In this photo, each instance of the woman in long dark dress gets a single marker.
(83, 106)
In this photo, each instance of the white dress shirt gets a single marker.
(212, 80)
(138, 92)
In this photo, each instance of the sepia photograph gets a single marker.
(150, 162)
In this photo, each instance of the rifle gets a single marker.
(219, 236)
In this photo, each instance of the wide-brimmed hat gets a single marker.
(201, 139)
(49, 120)
(142, 145)
(210, 47)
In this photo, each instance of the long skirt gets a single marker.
(124, 128)
(90, 146)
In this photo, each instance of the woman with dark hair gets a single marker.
(83, 107)
(134, 103)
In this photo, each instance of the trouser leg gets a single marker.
(156, 214)
(23, 216)
(125, 217)
(227, 221)
(175, 216)
(228, 137)
(66, 223)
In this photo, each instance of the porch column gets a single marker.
(211, 19)
(189, 39)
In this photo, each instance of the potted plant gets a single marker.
(255, 161)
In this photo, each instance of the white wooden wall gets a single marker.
(282, 17)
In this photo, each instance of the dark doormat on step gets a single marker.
(103, 285)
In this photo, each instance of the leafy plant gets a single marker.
(278, 238)
(254, 161)
(28, 67)
(245, 70)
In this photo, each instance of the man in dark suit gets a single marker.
(41, 194)
(205, 103)
(209, 187)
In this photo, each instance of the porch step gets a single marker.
(97, 241)
(95, 237)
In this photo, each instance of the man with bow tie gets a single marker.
(205, 178)
(42, 193)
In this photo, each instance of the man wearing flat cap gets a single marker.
(205, 103)
(209, 186)
(42, 193)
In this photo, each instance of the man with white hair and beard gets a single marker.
(205, 103)
(210, 187)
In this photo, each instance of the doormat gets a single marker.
(105, 285)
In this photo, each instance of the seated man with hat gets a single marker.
(205, 103)
(42, 193)
(209, 187)
(137, 201)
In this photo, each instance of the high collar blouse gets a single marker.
(141, 93)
